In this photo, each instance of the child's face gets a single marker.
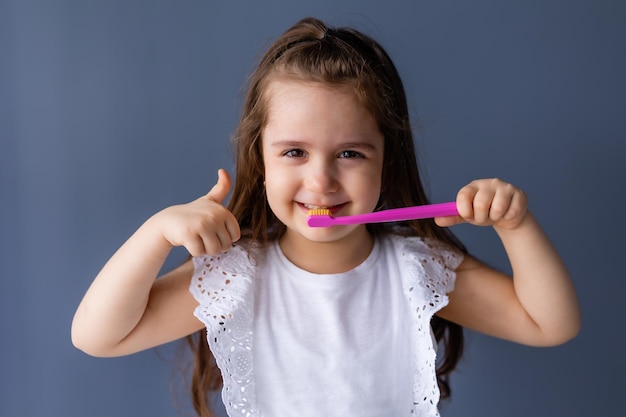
(321, 149)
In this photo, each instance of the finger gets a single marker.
(213, 245)
(500, 205)
(196, 247)
(448, 221)
(506, 202)
(465, 201)
(232, 227)
(220, 241)
(220, 190)
(482, 205)
(517, 207)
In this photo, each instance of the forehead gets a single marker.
(309, 108)
(287, 96)
(281, 89)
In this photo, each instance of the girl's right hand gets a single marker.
(203, 226)
(127, 309)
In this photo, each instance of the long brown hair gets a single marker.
(310, 51)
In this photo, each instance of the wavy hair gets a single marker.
(345, 58)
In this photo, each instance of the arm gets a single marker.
(125, 309)
(538, 306)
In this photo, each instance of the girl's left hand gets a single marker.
(489, 202)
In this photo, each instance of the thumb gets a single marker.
(220, 190)
(448, 221)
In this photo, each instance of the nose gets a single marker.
(321, 177)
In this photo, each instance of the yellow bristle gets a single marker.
(319, 212)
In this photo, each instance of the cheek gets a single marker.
(372, 186)
(374, 192)
(277, 185)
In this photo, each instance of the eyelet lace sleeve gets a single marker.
(222, 285)
(428, 273)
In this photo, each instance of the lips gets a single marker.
(333, 209)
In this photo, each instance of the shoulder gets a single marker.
(222, 283)
(424, 250)
(427, 267)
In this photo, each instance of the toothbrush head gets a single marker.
(319, 218)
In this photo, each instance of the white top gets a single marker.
(332, 345)
(289, 342)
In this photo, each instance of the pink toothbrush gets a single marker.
(323, 218)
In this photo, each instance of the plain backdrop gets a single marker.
(113, 110)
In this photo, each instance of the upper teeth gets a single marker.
(314, 207)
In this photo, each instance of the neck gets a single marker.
(327, 257)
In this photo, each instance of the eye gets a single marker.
(294, 153)
(350, 154)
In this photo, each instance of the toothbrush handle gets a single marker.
(400, 214)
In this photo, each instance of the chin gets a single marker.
(327, 234)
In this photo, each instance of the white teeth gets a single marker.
(313, 207)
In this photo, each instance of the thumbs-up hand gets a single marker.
(203, 226)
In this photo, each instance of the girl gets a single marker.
(326, 321)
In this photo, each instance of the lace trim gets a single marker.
(428, 273)
(222, 285)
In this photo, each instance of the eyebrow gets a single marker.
(301, 144)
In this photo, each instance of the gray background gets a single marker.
(112, 110)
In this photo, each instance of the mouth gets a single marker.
(333, 209)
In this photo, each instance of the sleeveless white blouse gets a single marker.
(224, 288)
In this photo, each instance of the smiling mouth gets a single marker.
(332, 209)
